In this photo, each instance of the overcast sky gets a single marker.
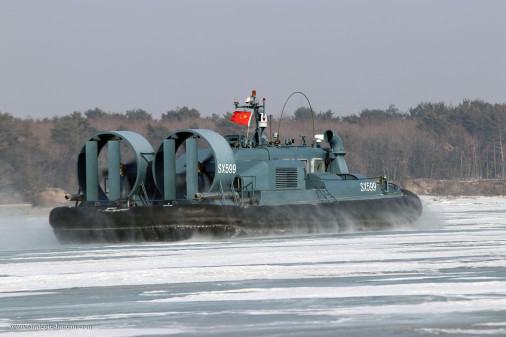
(57, 57)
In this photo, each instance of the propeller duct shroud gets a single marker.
(87, 163)
(197, 170)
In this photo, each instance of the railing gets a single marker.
(326, 194)
(249, 188)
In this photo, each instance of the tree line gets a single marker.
(431, 140)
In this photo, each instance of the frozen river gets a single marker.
(445, 277)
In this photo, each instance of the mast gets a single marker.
(258, 138)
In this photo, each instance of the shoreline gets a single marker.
(423, 187)
(37, 211)
(24, 209)
(457, 188)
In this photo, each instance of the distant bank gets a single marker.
(8, 210)
(456, 188)
(11, 203)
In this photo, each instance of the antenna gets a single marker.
(310, 107)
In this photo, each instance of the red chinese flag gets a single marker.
(241, 117)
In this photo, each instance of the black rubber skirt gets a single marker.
(180, 222)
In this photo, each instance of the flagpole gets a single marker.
(247, 132)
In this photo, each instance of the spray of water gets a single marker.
(26, 228)
(29, 229)
(318, 222)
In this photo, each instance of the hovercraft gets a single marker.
(198, 182)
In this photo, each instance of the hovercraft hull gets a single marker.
(183, 221)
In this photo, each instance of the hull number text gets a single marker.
(368, 187)
(226, 168)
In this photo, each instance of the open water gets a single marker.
(445, 276)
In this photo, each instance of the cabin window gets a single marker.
(317, 165)
(306, 165)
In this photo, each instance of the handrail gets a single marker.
(243, 187)
(323, 190)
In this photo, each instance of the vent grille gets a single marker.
(286, 177)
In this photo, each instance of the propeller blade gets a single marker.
(204, 182)
(208, 157)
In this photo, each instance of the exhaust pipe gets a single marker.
(74, 197)
(337, 163)
(216, 195)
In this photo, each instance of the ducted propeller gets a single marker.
(200, 154)
(128, 179)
